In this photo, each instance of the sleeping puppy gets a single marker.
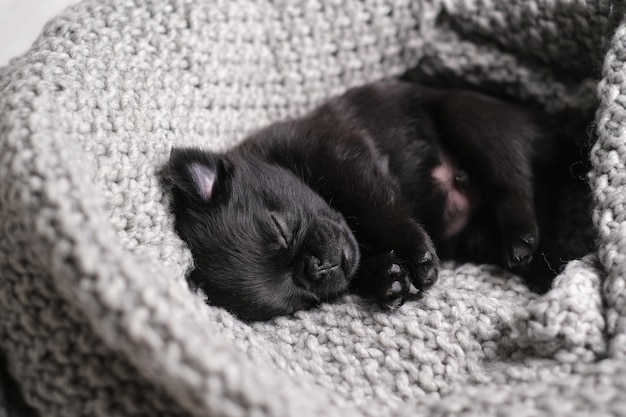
(367, 193)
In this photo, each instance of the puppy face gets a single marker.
(263, 242)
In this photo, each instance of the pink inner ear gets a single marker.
(204, 179)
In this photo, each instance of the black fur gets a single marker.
(402, 169)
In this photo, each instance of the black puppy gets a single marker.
(365, 193)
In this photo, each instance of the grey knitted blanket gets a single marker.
(96, 317)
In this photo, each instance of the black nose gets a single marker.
(317, 269)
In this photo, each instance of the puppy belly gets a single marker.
(457, 206)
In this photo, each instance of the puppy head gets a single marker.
(263, 243)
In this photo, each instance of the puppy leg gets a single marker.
(495, 141)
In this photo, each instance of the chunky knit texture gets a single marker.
(97, 317)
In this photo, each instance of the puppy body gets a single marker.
(365, 193)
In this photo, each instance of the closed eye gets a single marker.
(283, 234)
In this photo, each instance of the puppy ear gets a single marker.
(197, 173)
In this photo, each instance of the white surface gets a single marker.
(21, 21)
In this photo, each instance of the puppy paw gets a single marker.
(520, 250)
(422, 262)
(519, 230)
(396, 288)
(425, 269)
(385, 278)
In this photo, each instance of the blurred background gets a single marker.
(21, 21)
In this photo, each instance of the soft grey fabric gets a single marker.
(96, 315)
